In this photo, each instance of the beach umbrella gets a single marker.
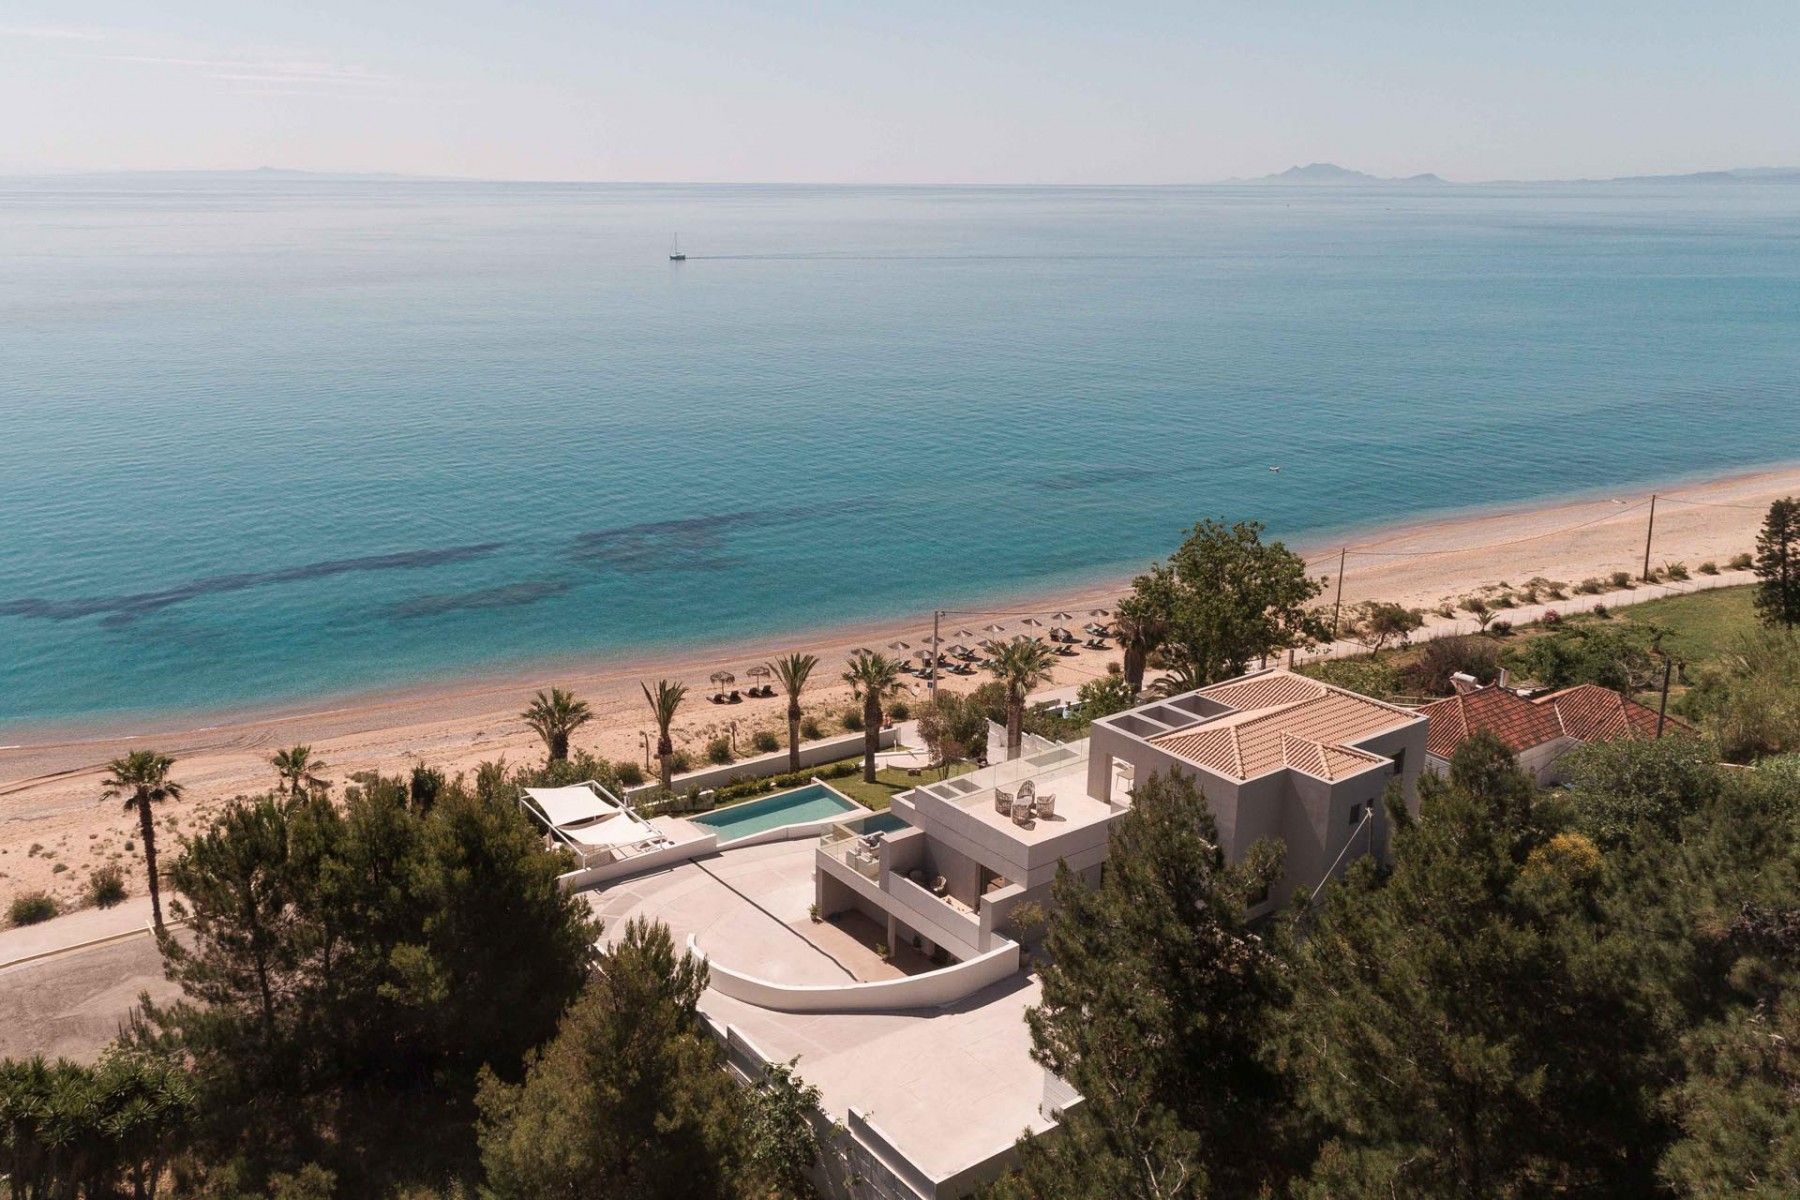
(964, 633)
(993, 627)
(899, 645)
(1061, 616)
(721, 678)
(759, 672)
(1032, 621)
(1099, 612)
(933, 638)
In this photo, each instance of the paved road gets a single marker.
(71, 1005)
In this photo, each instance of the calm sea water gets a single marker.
(263, 440)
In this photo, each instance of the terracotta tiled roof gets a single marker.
(1516, 721)
(1586, 712)
(1596, 714)
(1284, 720)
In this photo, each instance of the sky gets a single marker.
(886, 91)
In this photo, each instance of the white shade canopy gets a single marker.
(621, 829)
(571, 805)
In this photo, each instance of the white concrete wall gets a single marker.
(652, 860)
(934, 989)
(812, 754)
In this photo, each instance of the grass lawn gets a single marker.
(1698, 628)
(888, 781)
(1702, 626)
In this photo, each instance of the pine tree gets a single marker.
(1157, 1002)
(1778, 565)
(630, 1101)
(1456, 1027)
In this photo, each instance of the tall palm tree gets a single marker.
(793, 671)
(1021, 665)
(1140, 628)
(873, 679)
(663, 702)
(141, 779)
(297, 771)
(555, 715)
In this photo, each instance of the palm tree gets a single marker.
(663, 702)
(553, 717)
(794, 671)
(1140, 630)
(1021, 664)
(873, 678)
(141, 779)
(297, 771)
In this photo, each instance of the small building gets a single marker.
(1541, 730)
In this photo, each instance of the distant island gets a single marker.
(1320, 173)
(1331, 173)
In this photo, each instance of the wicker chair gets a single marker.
(1022, 812)
(1003, 802)
(1046, 806)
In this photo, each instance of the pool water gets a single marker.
(887, 822)
(815, 802)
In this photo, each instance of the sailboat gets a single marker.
(675, 254)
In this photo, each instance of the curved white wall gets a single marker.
(934, 989)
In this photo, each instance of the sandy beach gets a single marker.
(54, 827)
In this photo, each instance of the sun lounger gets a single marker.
(718, 697)
(735, 698)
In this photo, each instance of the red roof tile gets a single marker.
(1517, 722)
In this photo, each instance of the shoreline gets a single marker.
(51, 813)
(1440, 533)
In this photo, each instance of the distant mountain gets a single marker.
(1331, 173)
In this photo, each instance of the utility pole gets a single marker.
(1343, 552)
(1662, 709)
(936, 616)
(1650, 529)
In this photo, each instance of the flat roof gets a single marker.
(1059, 771)
(949, 1086)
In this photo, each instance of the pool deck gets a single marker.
(950, 1086)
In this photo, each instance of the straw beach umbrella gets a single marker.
(721, 678)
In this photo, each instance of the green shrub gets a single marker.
(681, 761)
(1501, 628)
(718, 750)
(1591, 586)
(810, 729)
(1621, 579)
(853, 720)
(1741, 562)
(765, 741)
(1709, 567)
(899, 710)
(1676, 571)
(629, 773)
(31, 908)
(1429, 674)
(106, 886)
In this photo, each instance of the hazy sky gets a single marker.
(970, 91)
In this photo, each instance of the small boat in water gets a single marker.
(675, 254)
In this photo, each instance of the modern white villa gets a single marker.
(881, 950)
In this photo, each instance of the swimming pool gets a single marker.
(884, 822)
(814, 802)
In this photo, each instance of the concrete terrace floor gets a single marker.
(949, 1086)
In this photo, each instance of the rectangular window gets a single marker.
(1356, 814)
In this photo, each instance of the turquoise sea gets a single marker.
(262, 440)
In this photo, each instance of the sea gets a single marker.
(264, 439)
